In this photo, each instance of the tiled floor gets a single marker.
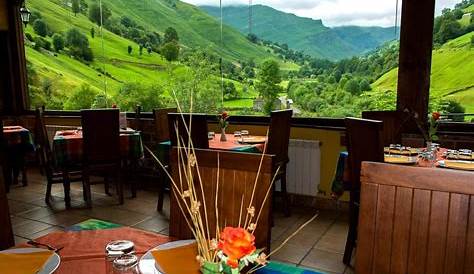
(318, 246)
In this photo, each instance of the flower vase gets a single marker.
(223, 136)
(429, 156)
(210, 268)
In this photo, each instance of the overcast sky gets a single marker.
(335, 12)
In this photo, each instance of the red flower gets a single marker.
(114, 105)
(236, 243)
(224, 115)
(435, 115)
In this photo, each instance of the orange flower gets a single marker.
(224, 115)
(236, 243)
(436, 115)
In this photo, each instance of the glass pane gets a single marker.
(452, 69)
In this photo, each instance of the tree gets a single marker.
(149, 97)
(170, 51)
(269, 79)
(81, 98)
(140, 49)
(40, 27)
(252, 38)
(75, 7)
(34, 16)
(149, 49)
(129, 49)
(352, 86)
(58, 42)
(127, 22)
(78, 45)
(472, 40)
(94, 13)
(171, 35)
(230, 92)
(92, 32)
(364, 85)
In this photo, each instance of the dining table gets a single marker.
(83, 251)
(19, 142)
(341, 181)
(68, 146)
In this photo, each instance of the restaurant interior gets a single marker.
(104, 191)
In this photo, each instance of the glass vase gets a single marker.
(223, 136)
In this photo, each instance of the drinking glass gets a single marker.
(244, 134)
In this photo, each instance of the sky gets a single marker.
(335, 12)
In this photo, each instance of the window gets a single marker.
(321, 58)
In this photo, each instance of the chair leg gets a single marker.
(120, 188)
(161, 194)
(352, 234)
(24, 178)
(286, 198)
(47, 197)
(67, 189)
(86, 188)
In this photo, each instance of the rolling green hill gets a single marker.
(304, 34)
(195, 28)
(451, 73)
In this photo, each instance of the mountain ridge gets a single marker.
(302, 33)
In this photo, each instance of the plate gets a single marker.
(49, 267)
(399, 159)
(410, 151)
(462, 165)
(253, 140)
(147, 264)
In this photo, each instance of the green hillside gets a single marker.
(304, 34)
(196, 30)
(451, 73)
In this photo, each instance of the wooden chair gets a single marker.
(53, 174)
(198, 129)
(278, 141)
(6, 231)
(162, 134)
(364, 143)
(237, 175)
(162, 129)
(101, 148)
(415, 220)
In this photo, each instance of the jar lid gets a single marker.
(125, 262)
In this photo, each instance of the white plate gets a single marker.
(147, 264)
(49, 267)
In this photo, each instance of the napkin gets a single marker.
(24, 263)
(178, 260)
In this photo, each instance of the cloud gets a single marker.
(335, 12)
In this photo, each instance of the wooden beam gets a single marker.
(416, 40)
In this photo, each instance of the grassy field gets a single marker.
(451, 73)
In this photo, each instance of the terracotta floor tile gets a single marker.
(29, 228)
(328, 261)
(155, 224)
(333, 243)
(290, 253)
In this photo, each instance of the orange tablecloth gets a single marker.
(84, 251)
(233, 144)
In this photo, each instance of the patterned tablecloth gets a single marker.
(19, 136)
(342, 180)
(67, 147)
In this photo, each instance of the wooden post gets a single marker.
(416, 40)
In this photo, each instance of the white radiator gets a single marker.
(303, 170)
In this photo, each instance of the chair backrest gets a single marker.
(392, 125)
(101, 136)
(364, 143)
(279, 135)
(237, 174)
(199, 129)
(42, 143)
(415, 220)
(162, 129)
(6, 231)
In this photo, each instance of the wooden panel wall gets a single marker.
(415, 220)
(237, 175)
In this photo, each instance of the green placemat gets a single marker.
(282, 268)
(92, 224)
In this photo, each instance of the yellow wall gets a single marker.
(3, 15)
